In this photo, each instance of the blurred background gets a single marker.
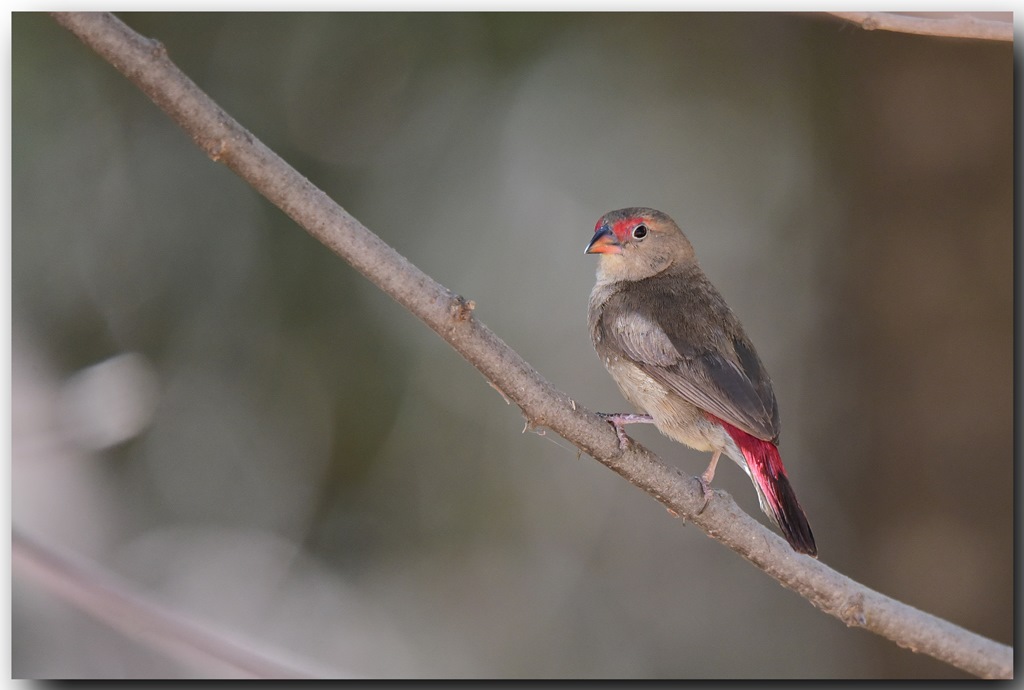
(210, 405)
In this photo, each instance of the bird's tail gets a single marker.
(774, 492)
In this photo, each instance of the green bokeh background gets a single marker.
(312, 469)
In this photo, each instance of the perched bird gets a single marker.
(679, 354)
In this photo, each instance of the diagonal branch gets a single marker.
(953, 25)
(145, 62)
(108, 598)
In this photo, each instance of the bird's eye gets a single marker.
(640, 232)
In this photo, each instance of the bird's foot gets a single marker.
(705, 480)
(705, 487)
(619, 420)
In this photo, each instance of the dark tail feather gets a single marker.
(774, 492)
(785, 510)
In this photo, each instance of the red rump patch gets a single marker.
(769, 475)
(762, 456)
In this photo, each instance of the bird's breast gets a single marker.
(673, 416)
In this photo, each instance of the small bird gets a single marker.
(679, 354)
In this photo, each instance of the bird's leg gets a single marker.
(620, 419)
(709, 473)
(705, 480)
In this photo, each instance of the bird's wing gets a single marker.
(720, 374)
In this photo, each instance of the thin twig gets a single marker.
(953, 26)
(111, 600)
(145, 62)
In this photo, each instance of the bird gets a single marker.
(679, 355)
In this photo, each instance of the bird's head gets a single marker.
(637, 243)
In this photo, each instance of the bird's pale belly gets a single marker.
(674, 417)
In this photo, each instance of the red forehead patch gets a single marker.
(623, 228)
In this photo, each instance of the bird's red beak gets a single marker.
(604, 242)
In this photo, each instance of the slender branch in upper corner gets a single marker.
(146, 63)
(955, 25)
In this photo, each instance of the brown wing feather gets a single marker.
(689, 341)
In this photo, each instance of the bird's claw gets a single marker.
(705, 488)
(619, 420)
(623, 438)
(616, 423)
